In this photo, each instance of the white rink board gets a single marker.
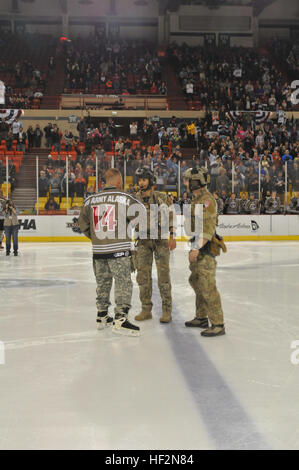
(63, 228)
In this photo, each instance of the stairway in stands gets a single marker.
(176, 96)
(54, 87)
(24, 195)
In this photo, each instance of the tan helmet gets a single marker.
(198, 178)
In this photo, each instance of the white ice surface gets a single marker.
(66, 385)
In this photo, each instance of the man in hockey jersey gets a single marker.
(100, 219)
(158, 248)
(294, 204)
(202, 255)
(2, 216)
(232, 204)
(243, 203)
(252, 205)
(219, 202)
(273, 204)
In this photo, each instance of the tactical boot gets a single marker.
(143, 316)
(198, 323)
(166, 317)
(214, 330)
(104, 320)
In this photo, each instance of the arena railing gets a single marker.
(70, 197)
(117, 102)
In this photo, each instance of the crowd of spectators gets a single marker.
(112, 66)
(236, 78)
(234, 152)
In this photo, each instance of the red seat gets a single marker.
(73, 154)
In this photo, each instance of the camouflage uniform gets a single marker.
(203, 270)
(119, 269)
(148, 249)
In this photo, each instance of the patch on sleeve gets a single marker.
(207, 203)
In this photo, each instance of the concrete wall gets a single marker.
(191, 22)
(278, 19)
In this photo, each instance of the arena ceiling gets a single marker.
(15, 6)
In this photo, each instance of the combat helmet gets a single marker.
(146, 173)
(198, 178)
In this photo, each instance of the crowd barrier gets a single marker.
(64, 228)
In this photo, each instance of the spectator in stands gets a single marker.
(55, 182)
(68, 139)
(16, 128)
(133, 130)
(184, 200)
(51, 205)
(4, 128)
(48, 135)
(37, 136)
(43, 184)
(71, 183)
(90, 191)
(80, 184)
(55, 137)
(287, 157)
(222, 182)
(266, 186)
(171, 183)
(279, 184)
(30, 136)
(161, 175)
(294, 177)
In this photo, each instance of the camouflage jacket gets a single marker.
(160, 199)
(210, 217)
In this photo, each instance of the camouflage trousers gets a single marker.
(105, 271)
(203, 281)
(146, 251)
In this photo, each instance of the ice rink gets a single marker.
(65, 385)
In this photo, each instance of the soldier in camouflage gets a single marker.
(158, 248)
(202, 257)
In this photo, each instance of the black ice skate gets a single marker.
(104, 320)
(122, 326)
